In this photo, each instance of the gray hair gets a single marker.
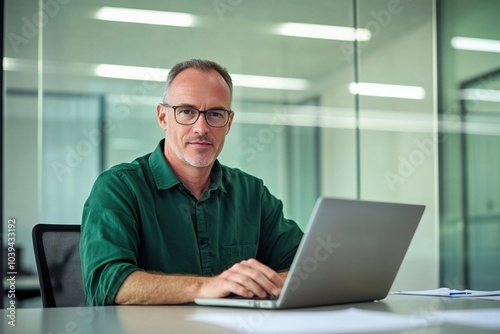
(201, 65)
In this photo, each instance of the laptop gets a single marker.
(351, 252)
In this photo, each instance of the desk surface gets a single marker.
(164, 319)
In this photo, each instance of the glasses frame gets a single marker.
(204, 112)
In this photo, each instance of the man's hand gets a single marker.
(247, 278)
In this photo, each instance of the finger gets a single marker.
(222, 286)
(272, 275)
(257, 278)
(229, 286)
(241, 277)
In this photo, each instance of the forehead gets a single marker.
(199, 88)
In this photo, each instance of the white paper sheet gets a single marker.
(446, 292)
(338, 321)
(486, 318)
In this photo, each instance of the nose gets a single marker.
(201, 126)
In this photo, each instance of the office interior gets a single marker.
(383, 100)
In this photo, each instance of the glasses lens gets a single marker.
(186, 115)
(217, 118)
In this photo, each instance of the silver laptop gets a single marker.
(351, 252)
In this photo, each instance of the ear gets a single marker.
(161, 116)
(230, 122)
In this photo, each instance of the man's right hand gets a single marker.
(248, 278)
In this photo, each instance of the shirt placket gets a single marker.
(206, 257)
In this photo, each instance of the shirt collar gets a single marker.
(165, 177)
(163, 174)
(216, 177)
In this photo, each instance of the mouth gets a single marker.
(200, 144)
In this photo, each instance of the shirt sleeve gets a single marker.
(109, 239)
(280, 237)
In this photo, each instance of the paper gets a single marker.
(285, 321)
(446, 292)
(486, 318)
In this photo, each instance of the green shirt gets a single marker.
(140, 217)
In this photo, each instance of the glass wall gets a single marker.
(332, 98)
(397, 141)
(470, 140)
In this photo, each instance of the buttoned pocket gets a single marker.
(238, 253)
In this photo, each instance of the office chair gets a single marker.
(57, 256)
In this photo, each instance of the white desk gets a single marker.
(171, 319)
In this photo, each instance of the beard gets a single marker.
(202, 156)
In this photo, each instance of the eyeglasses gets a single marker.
(216, 118)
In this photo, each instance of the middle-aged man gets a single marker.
(175, 224)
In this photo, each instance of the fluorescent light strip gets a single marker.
(241, 80)
(258, 81)
(131, 72)
(18, 64)
(384, 90)
(322, 32)
(475, 44)
(145, 16)
(7, 63)
(475, 94)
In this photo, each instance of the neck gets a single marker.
(196, 179)
(197, 182)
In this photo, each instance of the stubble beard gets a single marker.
(197, 161)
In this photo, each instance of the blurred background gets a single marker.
(385, 100)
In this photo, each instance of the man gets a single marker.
(176, 224)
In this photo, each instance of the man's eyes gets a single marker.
(210, 113)
(215, 113)
(187, 111)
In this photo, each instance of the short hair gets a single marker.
(201, 65)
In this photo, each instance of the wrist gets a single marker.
(200, 287)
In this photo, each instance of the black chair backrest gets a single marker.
(57, 255)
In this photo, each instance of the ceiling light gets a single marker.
(383, 90)
(131, 72)
(18, 64)
(322, 31)
(156, 74)
(258, 81)
(7, 63)
(475, 44)
(475, 94)
(145, 16)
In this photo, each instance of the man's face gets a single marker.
(198, 144)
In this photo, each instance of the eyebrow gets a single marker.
(192, 106)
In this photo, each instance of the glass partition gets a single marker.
(397, 134)
(469, 155)
(481, 201)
